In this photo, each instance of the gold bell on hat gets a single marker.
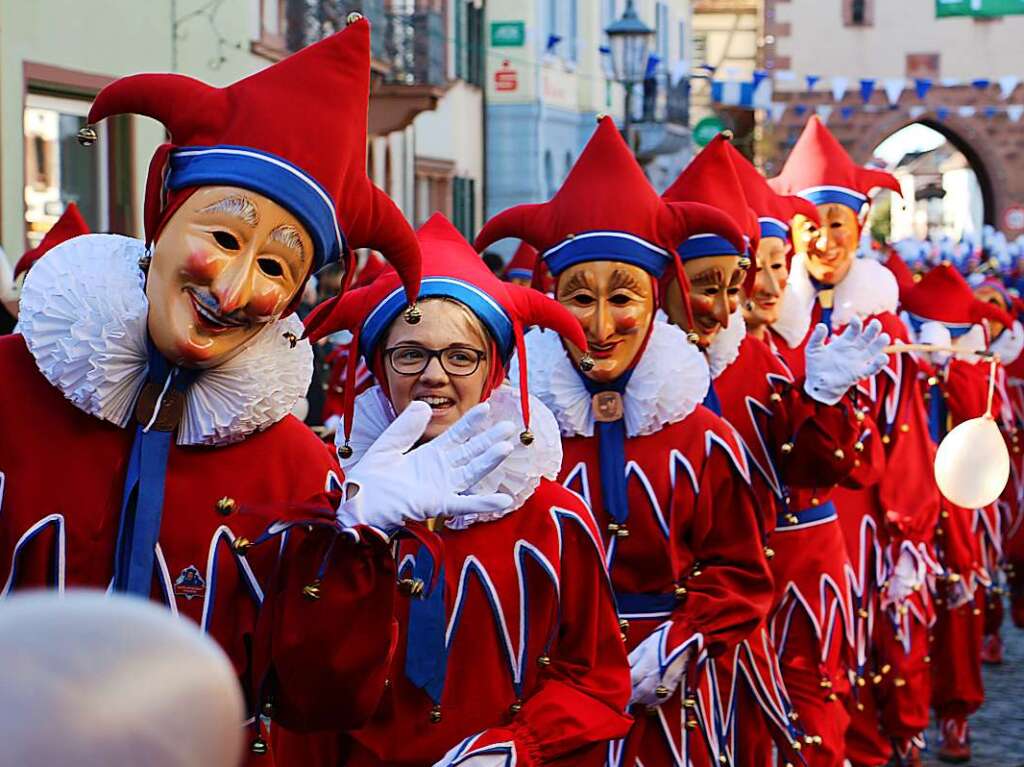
(353, 17)
(259, 746)
(345, 451)
(586, 363)
(744, 263)
(87, 135)
(413, 314)
(693, 338)
(526, 437)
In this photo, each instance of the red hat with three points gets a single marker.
(943, 295)
(774, 211)
(522, 264)
(607, 210)
(294, 132)
(453, 270)
(710, 178)
(820, 170)
(69, 225)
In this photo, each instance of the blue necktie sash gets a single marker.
(711, 401)
(611, 441)
(143, 498)
(426, 654)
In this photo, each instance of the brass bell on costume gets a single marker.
(662, 691)
(311, 591)
(226, 506)
(435, 714)
(87, 135)
(241, 545)
(586, 363)
(526, 437)
(413, 315)
(345, 451)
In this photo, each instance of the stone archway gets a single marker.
(959, 132)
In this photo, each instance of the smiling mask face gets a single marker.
(228, 262)
(614, 303)
(831, 247)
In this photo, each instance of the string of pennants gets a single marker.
(758, 93)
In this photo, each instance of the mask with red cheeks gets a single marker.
(614, 302)
(762, 306)
(227, 263)
(831, 247)
(715, 285)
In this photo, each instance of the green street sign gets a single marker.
(981, 8)
(706, 130)
(507, 34)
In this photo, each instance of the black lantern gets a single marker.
(629, 40)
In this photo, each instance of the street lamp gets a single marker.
(629, 40)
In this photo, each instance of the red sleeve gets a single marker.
(582, 698)
(315, 673)
(724, 578)
(966, 389)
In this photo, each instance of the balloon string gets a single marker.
(991, 386)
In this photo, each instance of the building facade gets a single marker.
(547, 79)
(55, 55)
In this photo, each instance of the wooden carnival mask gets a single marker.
(228, 262)
(831, 247)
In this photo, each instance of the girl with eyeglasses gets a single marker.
(509, 649)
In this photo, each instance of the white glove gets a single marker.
(938, 334)
(834, 367)
(653, 670)
(906, 577)
(394, 483)
(452, 759)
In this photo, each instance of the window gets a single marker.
(58, 170)
(469, 42)
(549, 174)
(662, 31)
(700, 49)
(682, 41)
(609, 13)
(464, 206)
(561, 21)
(858, 13)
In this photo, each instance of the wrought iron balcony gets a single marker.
(408, 48)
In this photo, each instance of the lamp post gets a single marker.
(629, 39)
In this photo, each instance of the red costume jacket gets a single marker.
(690, 552)
(59, 525)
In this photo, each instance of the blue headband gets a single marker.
(772, 227)
(702, 245)
(269, 175)
(956, 329)
(823, 195)
(607, 246)
(486, 309)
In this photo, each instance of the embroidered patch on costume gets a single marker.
(190, 583)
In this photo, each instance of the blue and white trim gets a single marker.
(703, 245)
(841, 195)
(519, 274)
(607, 246)
(773, 227)
(269, 175)
(956, 329)
(489, 311)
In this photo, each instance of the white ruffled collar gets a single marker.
(669, 381)
(1009, 344)
(725, 347)
(869, 288)
(517, 476)
(83, 314)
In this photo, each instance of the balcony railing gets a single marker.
(410, 45)
(665, 102)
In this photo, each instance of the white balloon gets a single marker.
(972, 464)
(94, 680)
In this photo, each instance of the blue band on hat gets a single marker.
(519, 274)
(607, 246)
(772, 227)
(269, 175)
(489, 311)
(840, 195)
(703, 245)
(956, 329)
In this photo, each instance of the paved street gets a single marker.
(998, 728)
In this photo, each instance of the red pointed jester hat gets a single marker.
(820, 170)
(607, 210)
(943, 295)
(294, 132)
(69, 225)
(710, 178)
(774, 211)
(523, 263)
(451, 269)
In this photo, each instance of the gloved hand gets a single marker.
(938, 334)
(457, 756)
(834, 367)
(906, 577)
(494, 747)
(654, 669)
(394, 483)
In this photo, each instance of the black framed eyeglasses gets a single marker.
(413, 360)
